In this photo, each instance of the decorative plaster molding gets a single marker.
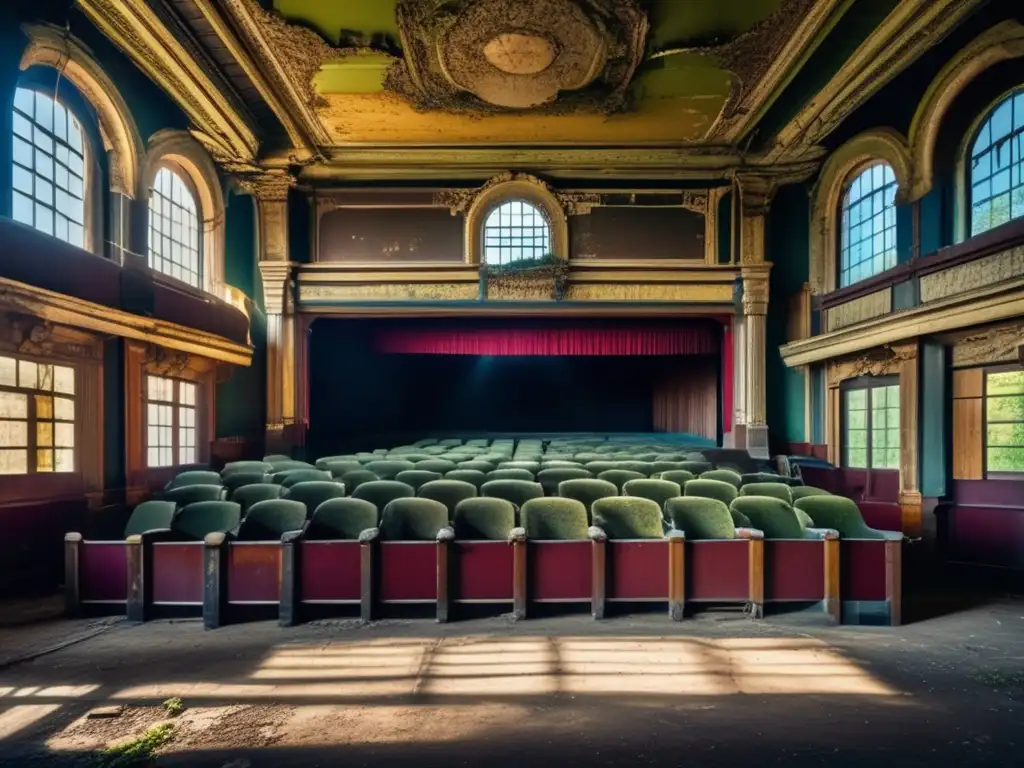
(50, 47)
(276, 277)
(979, 273)
(864, 308)
(28, 335)
(265, 186)
(1001, 344)
(880, 361)
(755, 289)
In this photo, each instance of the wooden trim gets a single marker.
(135, 607)
(598, 555)
(72, 572)
(968, 383)
(755, 555)
(519, 586)
(968, 439)
(676, 578)
(442, 582)
(832, 602)
(894, 581)
(366, 580)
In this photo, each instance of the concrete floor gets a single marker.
(714, 690)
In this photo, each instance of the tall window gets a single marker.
(37, 417)
(996, 174)
(871, 424)
(174, 228)
(867, 239)
(1004, 421)
(49, 167)
(516, 231)
(171, 425)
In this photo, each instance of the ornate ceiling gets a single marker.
(382, 87)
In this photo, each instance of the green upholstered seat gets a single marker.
(516, 491)
(772, 515)
(194, 522)
(674, 458)
(236, 480)
(680, 476)
(473, 476)
(194, 477)
(511, 473)
(339, 467)
(388, 469)
(658, 491)
(450, 442)
(554, 518)
(560, 464)
(190, 494)
(803, 491)
(411, 519)
(587, 490)
(352, 480)
(417, 477)
(694, 456)
(711, 489)
(619, 477)
(381, 492)
(723, 475)
(550, 479)
(696, 467)
(150, 516)
(647, 456)
(292, 476)
(739, 519)
(248, 495)
(764, 477)
(600, 465)
(288, 466)
(645, 468)
(775, 490)
(484, 519)
(629, 517)
(270, 520)
(441, 466)
(659, 467)
(313, 493)
(235, 467)
(341, 519)
(529, 465)
(415, 458)
(843, 515)
(448, 492)
(276, 458)
(700, 518)
(406, 449)
(323, 461)
(366, 457)
(804, 518)
(477, 464)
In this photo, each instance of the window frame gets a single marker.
(842, 211)
(997, 474)
(967, 157)
(176, 168)
(495, 208)
(176, 406)
(867, 383)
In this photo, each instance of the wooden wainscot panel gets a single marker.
(860, 309)
(979, 273)
(798, 325)
(968, 424)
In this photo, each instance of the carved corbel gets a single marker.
(276, 277)
(755, 289)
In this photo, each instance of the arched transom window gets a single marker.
(514, 231)
(174, 228)
(49, 167)
(867, 238)
(996, 172)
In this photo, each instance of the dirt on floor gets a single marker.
(718, 689)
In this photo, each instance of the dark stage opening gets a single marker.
(367, 387)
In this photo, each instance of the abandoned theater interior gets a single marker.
(351, 308)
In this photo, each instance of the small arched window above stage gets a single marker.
(995, 166)
(514, 231)
(50, 170)
(175, 227)
(867, 231)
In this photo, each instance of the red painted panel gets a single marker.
(884, 485)
(102, 571)
(408, 571)
(882, 515)
(484, 570)
(717, 570)
(330, 570)
(637, 570)
(999, 493)
(986, 535)
(559, 570)
(862, 569)
(178, 572)
(823, 477)
(794, 570)
(254, 572)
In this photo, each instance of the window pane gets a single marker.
(44, 460)
(64, 379)
(13, 405)
(64, 435)
(64, 460)
(857, 458)
(1004, 408)
(516, 231)
(857, 399)
(857, 438)
(13, 462)
(994, 176)
(64, 408)
(27, 375)
(173, 229)
(13, 434)
(44, 434)
(44, 407)
(8, 372)
(1005, 383)
(868, 225)
(1005, 460)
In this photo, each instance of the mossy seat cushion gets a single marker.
(629, 517)
(483, 467)
(270, 520)
(550, 478)
(765, 477)
(658, 491)
(803, 491)
(531, 465)
(680, 476)
(586, 490)
(341, 466)
(150, 516)
(473, 476)
(554, 518)
(382, 492)
(412, 519)
(695, 467)
(441, 466)
(843, 515)
(511, 473)
(484, 519)
(619, 477)
(341, 519)
(774, 516)
(779, 491)
(724, 475)
(194, 522)
(711, 489)
(517, 491)
(448, 492)
(313, 493)
(700, 518)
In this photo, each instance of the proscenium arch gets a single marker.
(877, 145)
(50, 47)
(519, 187)
(192, 158)
(1000, 43)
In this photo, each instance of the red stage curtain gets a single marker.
(686, 340)
(687, 401)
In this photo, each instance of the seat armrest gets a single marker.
(446, 534)
(892, 535)
(159, 534)
(73, 536)
(672, 533)
(596, 533)
(516, 534)
(369, 535)
(290, 537)
(821, 534)
(218, 538)
(749, 533)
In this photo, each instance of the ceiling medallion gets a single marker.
(517, 53)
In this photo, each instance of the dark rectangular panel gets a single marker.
(390, 235)
(638, 233)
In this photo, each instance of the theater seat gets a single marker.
(843, 515)
(270, 520)
(411, 519)
(724, 475)
(341, 520)
(696, 467)
(387, 469)
(554, 519)
(477, 464)
(700, 518)
(530, 465)
(288, 466)
(448, 492)
(235, 467)
(382, 492)
(290, 477)
(237, 480)
(313, 493)
(339, 467)
(658, 491)
(196, 521)
(774, 516)
(352, 480)
(629, 517)
(248, 495)
(417, 477)
(440, 466)
(619, 477)
(775, 490)
(484, 519)
(473, 476)
(193, 477)
(511, 474)
(680, 476)
(323, 461)
(587, 491)
(150, 516)
(550, 479)
(190, 494)
(711, 489)
(276, 458)
(764, 477)
(600, 465)
(645, 468)
(803, 491)
(517, 491)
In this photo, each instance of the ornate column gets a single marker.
(755, 196)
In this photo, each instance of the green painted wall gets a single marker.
(934, 418)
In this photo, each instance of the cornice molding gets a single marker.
(157, 51)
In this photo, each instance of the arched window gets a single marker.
(516, 230)
(867, 234)
(174, 235)
(50, 178)
(995, 176)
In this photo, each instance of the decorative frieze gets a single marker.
(863, 308)
(979, 273)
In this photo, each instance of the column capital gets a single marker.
(755, 288)
(756, 193)
(265, 186)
